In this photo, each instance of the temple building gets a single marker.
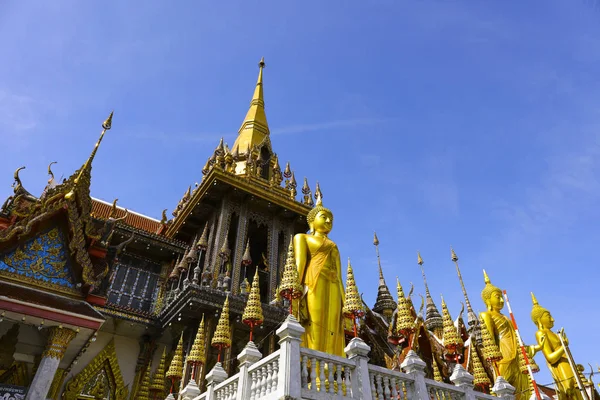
(100, 302)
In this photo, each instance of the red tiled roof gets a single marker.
(102, 209)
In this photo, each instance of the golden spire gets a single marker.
(437, 376)
(198, 352)
(106, 125)
(318, 191)
(471, 316)
(433, 319)
(176, 367)
(491, 352)
(452, 340)
(222, 338)
(477, 370)
(253, 314)
(144, 390)
(404, 320)
(158, 380)
(290, 287)
(203, 242)
(534, 300)
(353, 307)
(255, 128)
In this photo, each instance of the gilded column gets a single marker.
(240, 246)
(58, 341)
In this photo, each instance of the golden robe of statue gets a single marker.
(320, 272)
(503, 332)
(550, 345)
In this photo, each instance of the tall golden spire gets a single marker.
(197, 354)
(452, 340)
(158, 380)
(222, 338)
(253, 314)
(353, 307)
(471, 316)
(405, 320)
(175, 371)
(433, 318)
(255, 128)
(478, 371)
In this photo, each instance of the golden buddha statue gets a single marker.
(550, 345)
(504, 335)
(320, 272)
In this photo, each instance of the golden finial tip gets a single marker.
(262, 64)
(108, 123)
(453, 255)
(419, 258)
(375, 239)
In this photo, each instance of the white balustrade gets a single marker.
(325, 376)
(386, 384)
(227, 390)
(264, 377)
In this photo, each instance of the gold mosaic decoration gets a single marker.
(253, 313)
(175, 371)
(158, 380)
(58, 341)
(103, 370)
(221, 338)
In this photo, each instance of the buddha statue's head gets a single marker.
(540, 316)
(320, 219)
(491, 295)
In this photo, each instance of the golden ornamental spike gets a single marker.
(477, 370)
(453, 255)
(253, 314)
(404, 320)
(437, 376)
(143, 392)
(375, 239)
(197, 354)
(176, 368)
(106, 125)
(451, 338)
(222, 338)
(158, 380)
(353, 307)
(203, 242)
(318, 190)
(290, 287)
(491, 352)
(486, 278)
(419, 259)
(534, 300)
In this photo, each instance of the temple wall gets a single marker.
(127, 350)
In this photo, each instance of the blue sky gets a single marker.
(435, 123)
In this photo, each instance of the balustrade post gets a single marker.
(214, 377)
(190, 391)
(415, 367)
(503, 389)
(247, 357)
(289, 373)
(358, 351)
(463, 379)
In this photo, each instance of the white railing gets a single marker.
(324, 376)
(297, 373)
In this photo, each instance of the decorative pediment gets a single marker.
(41, 261)
(100, 379)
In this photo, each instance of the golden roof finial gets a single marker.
(318, 190)
(222, 339)
(106, 125)
(158, 380)
(176, 367)
(375, 239)
(453, 255)
(50, 170)
(255, 128)
(198, 352)
(419, 258)
(319, 200)
(253, 314)
(353, 307)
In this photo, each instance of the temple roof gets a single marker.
(254, 129)
(103, 209)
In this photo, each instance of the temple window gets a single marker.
(134, 283)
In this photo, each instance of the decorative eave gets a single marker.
(171, 244)
(127, 314)
(275, 195)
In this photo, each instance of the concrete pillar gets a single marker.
(358, 351)
(415, 367)
(503, 389)
(463, 379)
(214, 377)
(58, 341)
(247, 357)
(290, 371)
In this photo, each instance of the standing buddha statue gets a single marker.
(550, 345)
(504, 335)
(320, 272)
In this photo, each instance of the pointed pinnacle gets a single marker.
(108, 123)
(419, 258)
(453, 255)
(375, 239)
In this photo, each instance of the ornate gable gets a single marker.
(41, 261)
